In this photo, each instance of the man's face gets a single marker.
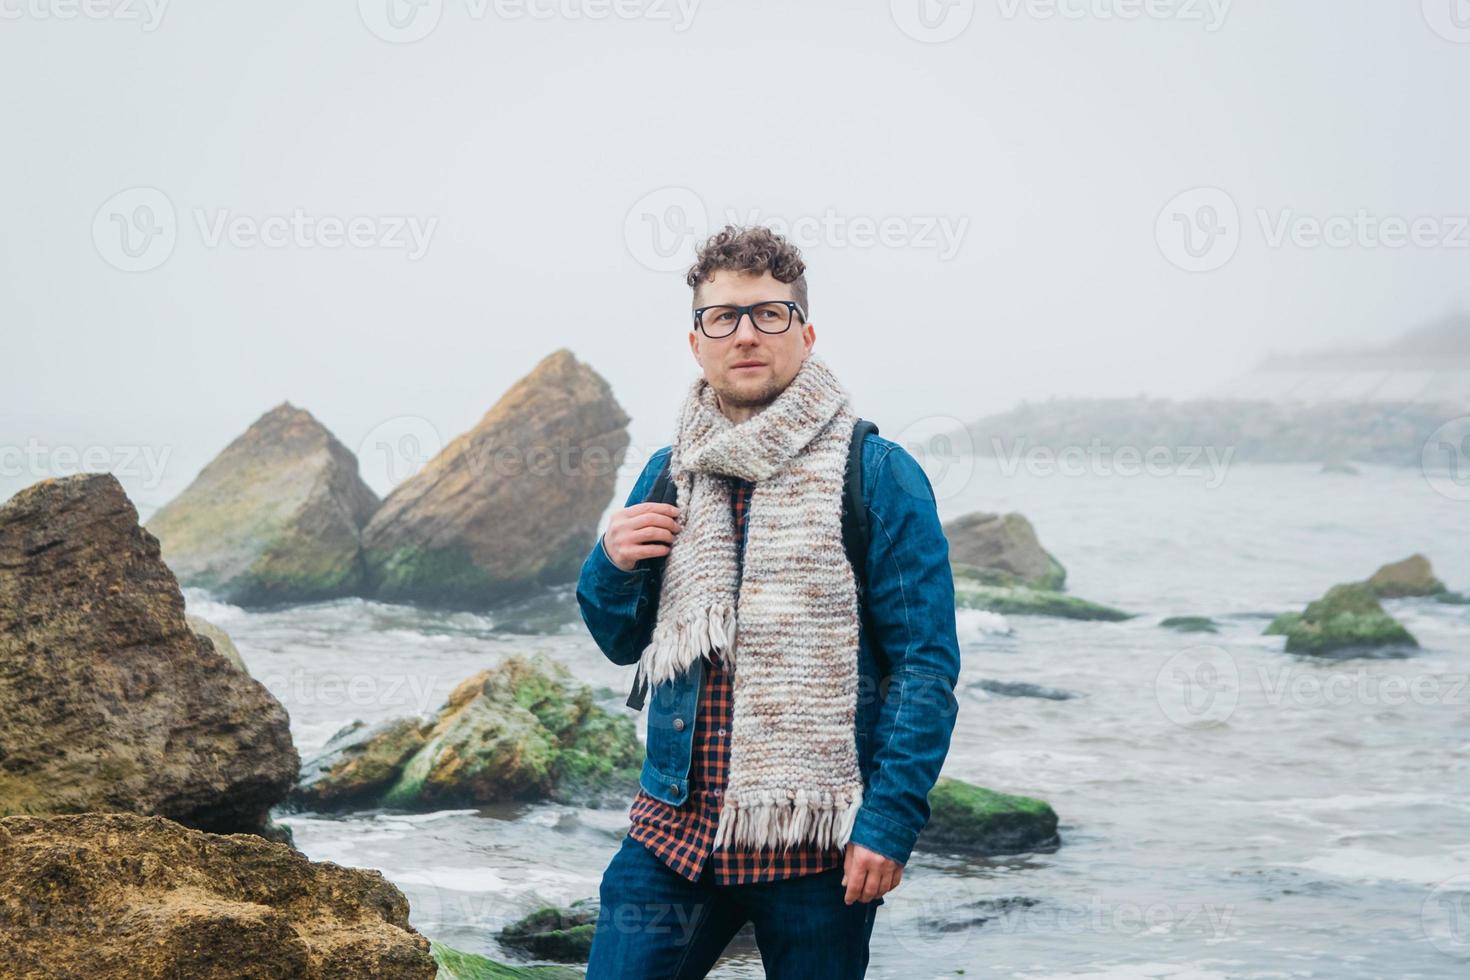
(773, 359)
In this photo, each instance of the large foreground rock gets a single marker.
(108, 700)
(510, 505)
(1006, 547)
(523, 731)
(119, 895)
(275, 517)
(1347, 617)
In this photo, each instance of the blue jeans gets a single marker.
(657, 924)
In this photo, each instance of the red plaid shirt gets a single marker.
(683, 836)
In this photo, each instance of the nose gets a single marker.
(745, 330)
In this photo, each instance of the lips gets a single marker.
(749, 364)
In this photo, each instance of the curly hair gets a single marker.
(755, 249)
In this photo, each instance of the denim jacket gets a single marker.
(904, 719)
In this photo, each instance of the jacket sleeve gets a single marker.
(912, 615)
(619, 607)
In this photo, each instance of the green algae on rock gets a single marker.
(1189, 624)
(457, 965)
(970, 818)
(973, 589)
(521, 731)
(1348, 616)
(555, 933)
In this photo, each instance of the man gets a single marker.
(794, 730)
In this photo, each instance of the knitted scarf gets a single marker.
(793, 773)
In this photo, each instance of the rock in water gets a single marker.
(522, 731)
(971, 818)
(1348, 616)
(108, 700)
(510, 505)
(555, 933)
(1005, 545)
(975, 588)
(1413, 576)
(275, 517)
(122, 895)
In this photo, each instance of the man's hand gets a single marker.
(868, 874)
(644, 530)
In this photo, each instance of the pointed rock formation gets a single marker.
(510, 505)
(108, 700)
(275, 517)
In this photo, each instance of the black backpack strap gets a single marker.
(854, 509)
(855, 527)
(664, 491)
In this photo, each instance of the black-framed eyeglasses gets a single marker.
(770, 316)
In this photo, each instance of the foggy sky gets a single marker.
(539, 153)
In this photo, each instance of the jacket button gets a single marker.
(678, 724)
(674, 788)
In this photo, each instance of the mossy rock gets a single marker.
(1348, 616)
(555, 933)
(972, 592)
(1413, 576)
(1190, 624)
(967, 817)
(455, 964)
(358, 764)
(524, 731)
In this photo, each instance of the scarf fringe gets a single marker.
(675, 646)
(769, 821)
